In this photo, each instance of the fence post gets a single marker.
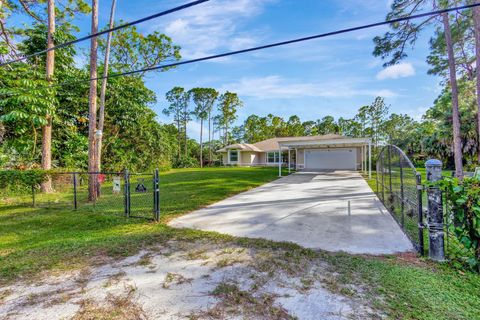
(156, 195)
(126, 193)
(436, 249)
(390, 170)
(383, 180)
(421, 243)
(33, 195)
(402, 193)
(75, 191)
(391, 196)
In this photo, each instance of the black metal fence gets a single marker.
(399, 186)
(134, 195)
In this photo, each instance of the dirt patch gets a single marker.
(123, 307)
(194, 280)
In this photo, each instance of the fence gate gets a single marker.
(399, 186)
(142, 195)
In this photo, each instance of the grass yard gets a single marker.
(36, 241)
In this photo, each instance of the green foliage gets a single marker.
(228, 104)
(463, 200)
(185, 162)
(21, 180)
(132, 50)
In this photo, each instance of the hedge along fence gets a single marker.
(462, 201)
(21, 181)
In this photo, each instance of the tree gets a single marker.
(405, 33)
(132, 50)
(228, 104)
(476, 19)
(204, 99)
(178, 99)
(92, 103)
(455, 113)
(349, 127)
(103, 90)
(50, 67)
(327, 125)
(127, 51)
(26, 103)
(294, 127)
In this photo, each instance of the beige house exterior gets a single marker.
(325, 152)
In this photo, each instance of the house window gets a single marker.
(272, 157)
(233, 156)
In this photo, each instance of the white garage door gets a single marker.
(345, 159)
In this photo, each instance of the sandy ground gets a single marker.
(183, 280)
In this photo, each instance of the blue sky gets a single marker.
(331, 76)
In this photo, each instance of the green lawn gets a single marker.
(33, 240)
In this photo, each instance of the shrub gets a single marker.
(21, 180)
(464, 202)
(186, 162)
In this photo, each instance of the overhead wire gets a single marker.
(275, 44)
(122, 26)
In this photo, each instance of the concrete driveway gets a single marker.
(310, 209)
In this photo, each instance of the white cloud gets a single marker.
(400, 70)
(276, 87)
(206, 28)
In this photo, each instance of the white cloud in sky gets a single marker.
(277, 87)
(206, 28)
(400, 70)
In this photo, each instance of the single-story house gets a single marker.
(325, 152)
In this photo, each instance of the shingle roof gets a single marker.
(272, 144)
(242, 147)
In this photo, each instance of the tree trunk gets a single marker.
(92, 105)
(201, 144)
(226, 134)
(103, 91)
(457, 142)
(476, 21)
(49, 70)
(179, 139)
(185, 136)
(209, 138)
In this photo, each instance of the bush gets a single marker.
(186, 162)
(463, 199)
(21, 180)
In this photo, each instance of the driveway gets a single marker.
(310, 209)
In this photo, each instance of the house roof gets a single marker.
(273, 144)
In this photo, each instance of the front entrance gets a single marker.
(331, 159)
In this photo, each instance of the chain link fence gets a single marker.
(133, 195)
(399, 186)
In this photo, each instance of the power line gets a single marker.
(276, 44)
(282, 43)
(129, 24)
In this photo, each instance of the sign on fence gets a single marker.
(116, 184)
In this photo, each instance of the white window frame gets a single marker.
(230, 155)
(275, 157)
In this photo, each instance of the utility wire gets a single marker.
(276, 44)
(282, 43)
(129, 24)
